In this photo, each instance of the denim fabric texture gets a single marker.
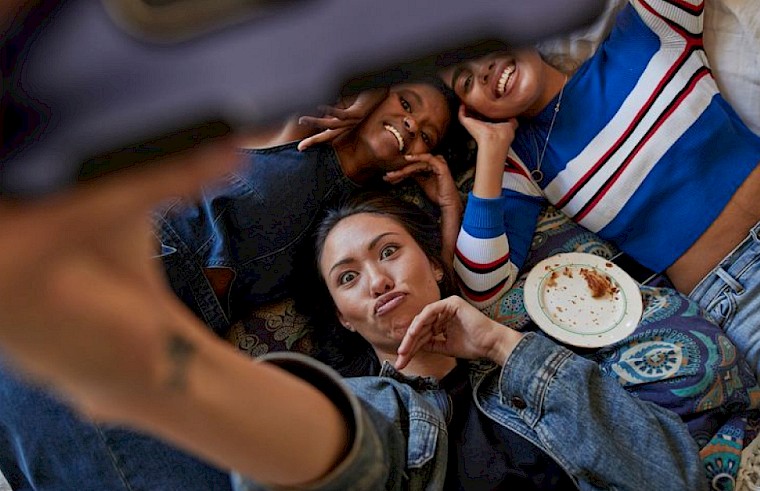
(730, 296)
(44, 446)
(600, 435)
(252, 223)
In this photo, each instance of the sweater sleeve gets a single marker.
(667, 18)
(492, 245)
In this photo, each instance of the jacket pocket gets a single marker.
(423, 440)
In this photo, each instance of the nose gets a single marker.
(380, 282)
(410, 124)
(485, 72)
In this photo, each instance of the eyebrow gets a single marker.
(417, 97)
(371, 246)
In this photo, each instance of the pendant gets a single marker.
(536, 175)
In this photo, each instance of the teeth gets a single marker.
(502, 85)
(398, 136)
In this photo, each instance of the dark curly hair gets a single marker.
(348, 352)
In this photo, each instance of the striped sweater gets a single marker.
(645, 152)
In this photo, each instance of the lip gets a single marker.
(496, 75)
(388, 301)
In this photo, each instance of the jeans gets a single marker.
(46, 446)
(730, 296)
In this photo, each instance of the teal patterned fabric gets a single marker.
(675, 357)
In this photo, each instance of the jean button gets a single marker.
(518, 403)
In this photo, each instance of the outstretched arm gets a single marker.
(86, 312)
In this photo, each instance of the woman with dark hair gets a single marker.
(524, 412)
(637, 145)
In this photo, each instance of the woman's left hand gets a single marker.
(342, 118)
(434, 177)
(453, 327)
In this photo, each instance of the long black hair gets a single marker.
(347, 351)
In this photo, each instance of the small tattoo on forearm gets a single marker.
(180, 351)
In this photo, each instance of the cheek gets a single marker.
(480, 103)
(416, 148)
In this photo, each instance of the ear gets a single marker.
(437, 272)
(343, 321)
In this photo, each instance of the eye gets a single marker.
(405, 104)
(347, 277)
(388, 251)
(467, 83)
(426, 138)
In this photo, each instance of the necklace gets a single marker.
(536, 173)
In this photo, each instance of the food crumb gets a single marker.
(599, 284)
(552, 279)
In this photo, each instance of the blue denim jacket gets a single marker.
(251, 223)
(603, 437)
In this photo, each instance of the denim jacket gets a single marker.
(603, 437)
(252, 224)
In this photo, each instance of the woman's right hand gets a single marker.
(454, 327)
(493, 141)
(337, 120)
(486, 133)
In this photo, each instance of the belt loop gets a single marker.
(730, 281)
(755, 233)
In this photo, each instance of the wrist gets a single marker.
(452, 207)
(504, 345)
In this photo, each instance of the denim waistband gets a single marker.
(640, 273)
(723, 271)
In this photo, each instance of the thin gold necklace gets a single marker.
(536, 173)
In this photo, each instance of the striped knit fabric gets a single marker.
(645, 152)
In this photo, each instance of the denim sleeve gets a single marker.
(367, 463)
(603, 436)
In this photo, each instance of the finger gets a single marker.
(393, 180)
(326, 123)
(463, 117)
(419, 331)
(414, 339)
(409, 170)
(336, 112)
(321, 137)
(435, 162)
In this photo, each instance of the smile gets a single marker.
(398, 136)
(506, 75)
(388, 302)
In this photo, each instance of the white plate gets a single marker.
(559, 300)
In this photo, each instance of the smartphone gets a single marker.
(101, 84)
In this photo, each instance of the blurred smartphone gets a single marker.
(102, 84)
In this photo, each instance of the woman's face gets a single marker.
(499, 85)
(411, 120)
(378, 277)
